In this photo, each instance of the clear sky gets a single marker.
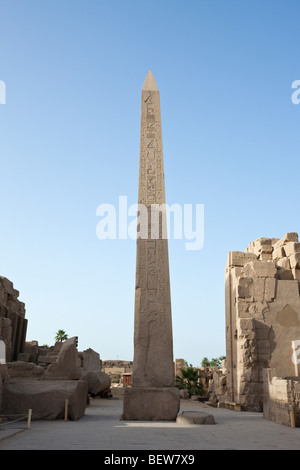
(69, 141)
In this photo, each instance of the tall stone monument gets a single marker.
(153, 395)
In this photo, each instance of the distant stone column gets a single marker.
(153, 395)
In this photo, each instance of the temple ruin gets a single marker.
(263, 328)
(42, 378)
(13, 324)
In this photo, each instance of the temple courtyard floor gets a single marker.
(102, 429)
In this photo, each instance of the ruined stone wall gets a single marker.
(116, 363)
(178, 365)
(281, 399)
(13, 324)
(217, 388)
(3, 378)
(112, 367)
(36, 362)
(262, 315)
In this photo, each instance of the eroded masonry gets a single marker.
(42, 378)
(13, 324)
(263, 327)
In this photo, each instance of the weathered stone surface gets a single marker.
(258, 284)
(239, 258)
(153, 342)
(24, 371)
(287, 291)
(151, 404)
(291, 248)
(270, 289)
(244, 287)
(284, 263)
(284, 274)
(262, 318)
(295, 261)
(152, 395)
(266, 256)
(46, 360)
(3, 378)
(217, 387)
(90, 360)
(195, 417)
(278, 253)
(46, 399)
(65, 366)
(288, 316)
(260, 247)
(2, 352)
(184, 394)
(24, 357)
(13, 324)
(281, 403)
(288, 237)
(296, 274)
(97, 382)
(260, 269)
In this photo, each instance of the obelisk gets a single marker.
(153, 395)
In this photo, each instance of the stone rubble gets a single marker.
(13, 325)
(41, 378)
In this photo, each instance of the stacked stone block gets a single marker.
(13, 324)
(262, 315)
(281, 399)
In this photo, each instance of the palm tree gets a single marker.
(190, 381)
(61, 335)
(205, 362)
(214, 362)
(217, 361)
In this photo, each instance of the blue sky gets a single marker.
(69, 141)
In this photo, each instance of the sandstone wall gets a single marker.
(262, 315)
(115, 369)
(281, 399)
(117, 363)
(3, 379)
(13, 324)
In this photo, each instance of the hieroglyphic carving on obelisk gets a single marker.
(153, 346)
(153, 395)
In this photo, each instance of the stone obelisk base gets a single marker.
(151, 404)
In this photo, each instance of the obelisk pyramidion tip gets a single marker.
(150, 83)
